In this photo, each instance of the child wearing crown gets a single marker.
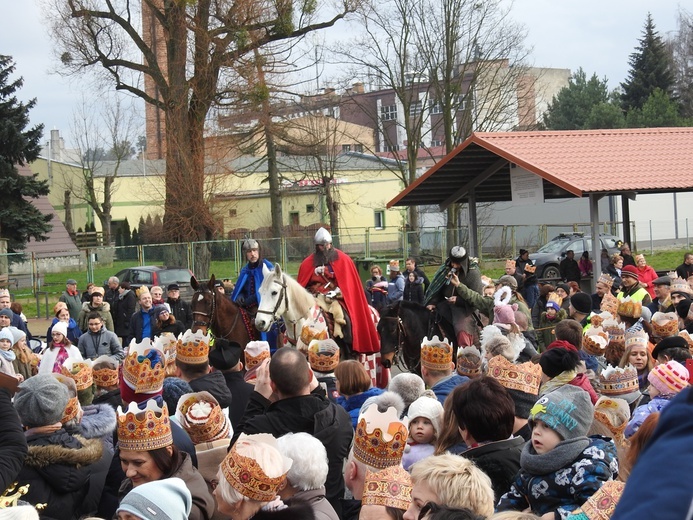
(548, 320)
(425, 418)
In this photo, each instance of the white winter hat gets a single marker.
(429, 408)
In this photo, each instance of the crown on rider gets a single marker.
(144, 367)
(193, 347)
(380, 438)
(436, 354)
(323, 355)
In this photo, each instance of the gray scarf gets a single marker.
(561, 456)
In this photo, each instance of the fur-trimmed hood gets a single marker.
(98, 421)
(67, 450)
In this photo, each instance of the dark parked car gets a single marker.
(549, 256)
(151, 275)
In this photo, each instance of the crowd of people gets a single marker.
(565, 405)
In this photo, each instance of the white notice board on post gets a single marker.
(527, 187)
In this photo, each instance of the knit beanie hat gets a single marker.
(174, 389)
(61, 327)
(7, 312)
(428, 408)
(408, 386)
(669, 378)
(630, 270)
(7, 334)
(567, 410)
(524, 402)
(504, 315)
(563, 286)
(41, 400)
(17, 334)
(581, 302)
(557, 360)
(167, 499)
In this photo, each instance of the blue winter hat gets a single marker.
(553, 305)
(167, 499)
(174, 388)
(7, 334)
(7, 312)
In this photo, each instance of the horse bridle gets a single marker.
(208, 324)
(401, 336)
(282, 295)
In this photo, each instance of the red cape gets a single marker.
(365, 335)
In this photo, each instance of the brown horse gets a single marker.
(213, 311)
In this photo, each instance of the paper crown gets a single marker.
(6, 293)
(509, 264)
(255, 353)
(665, 324)
(247, 476)
(530, 268)
(436, 354)
(606, 279)
(79, 371)
(469, 362)
(308, 334)
(390, 487)
(71, 410)
(323, 355)
(524, 377)
(380, 438)
(637, 338)
(201, 416)
(142, 290)
(609, 304)
(602, 504)
(192, 347)
(554, 298)
(596, 320)
(680, 285)
(394, 265)
(618, 381)
(594, 341)
(685, 335)
(614, 413)
(144, 430)
(144, 367)
(107, 373)
(630, 308)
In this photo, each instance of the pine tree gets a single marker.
(20, 220)
(650, 69)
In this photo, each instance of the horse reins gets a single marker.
(208, 324)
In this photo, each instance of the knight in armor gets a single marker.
(332, 272)
(441, 295)
(246, 291)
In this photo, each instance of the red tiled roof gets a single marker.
(572, 163)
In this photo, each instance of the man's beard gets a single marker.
(324, 257)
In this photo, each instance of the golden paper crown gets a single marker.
(602, 504)
(685, 335)
(6, 292)
(469, 362)
(665, 324)
(105, 376)
(138, 372)
(509, 264)
(530, 268)
(390, 487)
(614, 413)
(141, 290)
(323, 355)
(524, 377)
(71, 410)
(144, 430)
(309, 333)
(609, 304)
(192, 347)
(256, 352)
(630, 308)
(680, 285)
(247, 476)
(201, 416)
(555, 298)
(596, 320)
(79, 371)
(638, 338)
(436, 354)
(619, 381)
(394, 265)
(606, 279)
(594, 341)
(380, 438)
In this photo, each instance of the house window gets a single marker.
(415, 108)
(310, 208)
(388, 112)
(437, 142)
(436, 107)
(390, 148)
(232, 213)
(358, 148)
(379, 215)
(346, 148)
(293, 218)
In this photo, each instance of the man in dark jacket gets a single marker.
(124, 309)
(226, 359)
(685, 270)
(180, 309)
(201, 379)
(98, 341)
(13, 447)
(569, 268)
(289, 381)
(412, 267)
(111, 294)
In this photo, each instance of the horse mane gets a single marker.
(298, 295)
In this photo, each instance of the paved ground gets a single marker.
(39, 326)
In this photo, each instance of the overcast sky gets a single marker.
(597, 35)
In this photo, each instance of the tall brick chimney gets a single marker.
(155, 122)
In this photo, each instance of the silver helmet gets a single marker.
(322, 237)
(248, 244)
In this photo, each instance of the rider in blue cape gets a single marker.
(246, 291)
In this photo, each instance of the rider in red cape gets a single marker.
(340, 268)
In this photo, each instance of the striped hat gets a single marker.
(669, 378)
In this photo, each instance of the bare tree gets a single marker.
(184, 50)
(680, 44)
(103, 132)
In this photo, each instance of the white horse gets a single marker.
(283, 297)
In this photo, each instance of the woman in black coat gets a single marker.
(413, 290)
(124, 309)
(166, 322)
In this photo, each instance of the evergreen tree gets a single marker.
(650, 69)
(20, 220)
(127, 237)
(658, 111)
